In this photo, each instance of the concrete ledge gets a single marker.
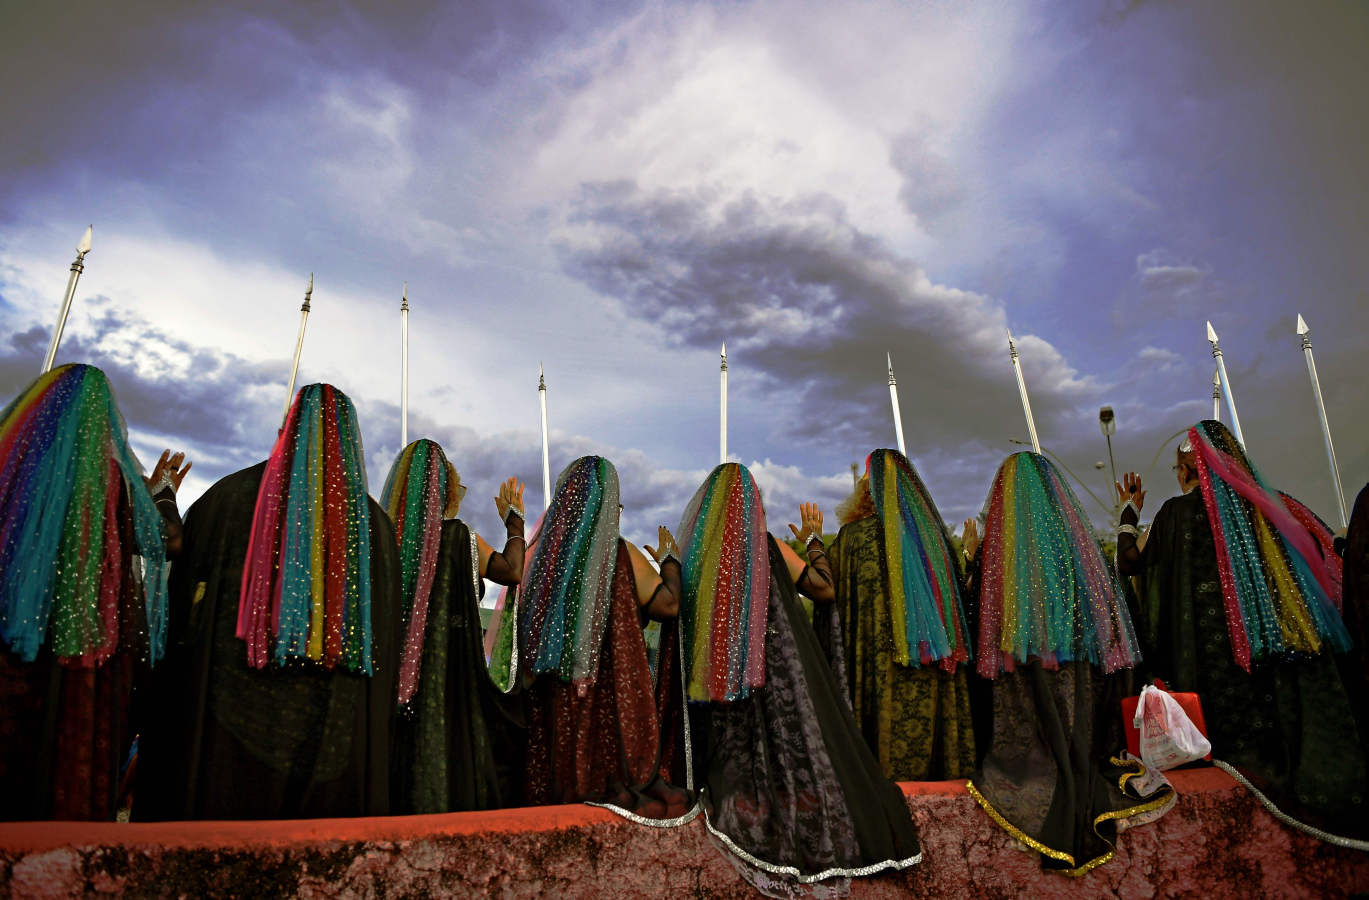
(1216, 842)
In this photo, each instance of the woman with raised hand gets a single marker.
(788, 786)
(1239, 603)
(459, 739)
(593, 725)
(905, 639)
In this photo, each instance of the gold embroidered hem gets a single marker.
(1060, 855)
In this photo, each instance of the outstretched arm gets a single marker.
(506, 566)
(659, 594)
(1130, 559)
(162, 484)
(812, 574)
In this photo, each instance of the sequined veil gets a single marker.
(83, 606)
(1055, 636)
(791, 794)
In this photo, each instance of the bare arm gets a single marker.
(812, 575)
(506, 566)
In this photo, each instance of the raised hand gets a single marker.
(510, 496)
(810, 518)
(168, 471)
(1130, 489)
(665, 546)
(969, 537)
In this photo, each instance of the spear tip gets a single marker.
(84, 247)
(1302, 325)
(1211, 333)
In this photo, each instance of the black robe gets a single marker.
(222, 740)
(788, 779)
(1287, 725)
(459, 743)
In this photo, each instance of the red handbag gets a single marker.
(1192, 707)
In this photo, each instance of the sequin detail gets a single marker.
(1046, 591)
(923, 582)
(1280, 593)
(564, 604)
(415, 497)
(306, 584)
(65, 464)
(726, 574)
(1284, 817)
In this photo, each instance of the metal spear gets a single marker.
(1226, 384)
(77, 268)
(1304, 331)
(1022, 389)
(1216, 396)
(404, 368)
(299, 348)
(893, 398)
(546, 453)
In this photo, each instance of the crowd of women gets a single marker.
(294, 648)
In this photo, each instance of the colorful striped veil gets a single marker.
(1046, 591)
(306, 583)
(923, 580)
(416, 497)
(726, 567)
(67, 476)
(1278, 589)
(564, 603)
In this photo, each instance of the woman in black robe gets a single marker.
(790, 790)
(226, 737)
(1277, 713)
(459, 740)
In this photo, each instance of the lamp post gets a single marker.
(1107, 422)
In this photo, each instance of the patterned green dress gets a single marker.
(915, 718)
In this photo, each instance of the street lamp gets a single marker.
(1108, 423)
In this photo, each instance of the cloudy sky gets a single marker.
(615, 188)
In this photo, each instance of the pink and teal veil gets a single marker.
(306, 583)
(415, 496)
(1046, 590)
(1278, 589)
(566, 593)
(923, 578)
(64, 464)
(726, 574)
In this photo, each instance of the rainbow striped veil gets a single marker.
(415, 496)
(564, 601)
(1278, 589)
(923, 580)
(1046, 591)
(306, 582)
(726, 567)
(65, 467)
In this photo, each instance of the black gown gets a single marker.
(459, 744)
(791, 790)
(222, 740)
(1287, 726)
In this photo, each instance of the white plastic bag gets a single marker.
(1168, 737)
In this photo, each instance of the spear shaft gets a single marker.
(1304, 331)
(546, 452)
(1022, 390)
(1216, 396)
(1226, 384)
(299, 347)
(404, 368)
(893, 399)
(77, 268)
(722, 430)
